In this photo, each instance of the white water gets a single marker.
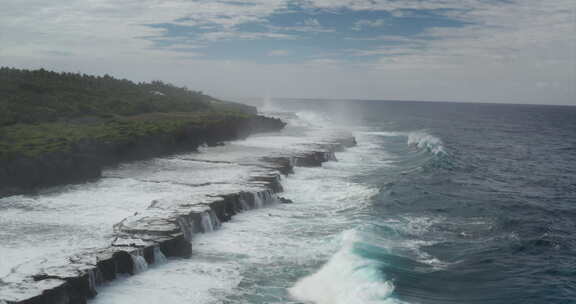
(345, 279)
(139, 262)
(258, 201)
(424, 140)
(421, 140)
(159, 257)
(62, 223)
(260, 255)
(207, 225)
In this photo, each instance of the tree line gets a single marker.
(38, 96)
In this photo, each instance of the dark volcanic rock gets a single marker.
(285, 200)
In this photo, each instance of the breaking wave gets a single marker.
(347, 278)
(421, 140)
(426, 141)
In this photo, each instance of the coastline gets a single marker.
(85, 158)
(164, 229)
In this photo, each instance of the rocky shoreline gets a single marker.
(164, 229)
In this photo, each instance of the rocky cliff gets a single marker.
(85, 158)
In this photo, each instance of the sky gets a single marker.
(512, 51)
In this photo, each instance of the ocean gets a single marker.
(472, 203)
(438, 203)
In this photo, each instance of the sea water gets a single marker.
(438, 203)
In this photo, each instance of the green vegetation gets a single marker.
(37, 139)
(43, 96)
(43, 111)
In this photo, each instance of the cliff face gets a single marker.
(86, 158)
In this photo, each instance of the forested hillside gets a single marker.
(44, 96)
(43, 111)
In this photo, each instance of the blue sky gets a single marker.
(461, 50)
(298, 34)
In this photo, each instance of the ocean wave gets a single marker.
(425, 141)
(421, 140)
(347, 278)
(425, 151)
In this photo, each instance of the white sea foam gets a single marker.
(421, 140)
(177, 282)
(63, 223)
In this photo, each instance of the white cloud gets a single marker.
(228, 35)
(361, 24)
(312, 22)
(279, 53)
(310, 25)
(107, 27)
(518, 50)
(531, 31)
(324, 62)
(387, 5)
(389, 38)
